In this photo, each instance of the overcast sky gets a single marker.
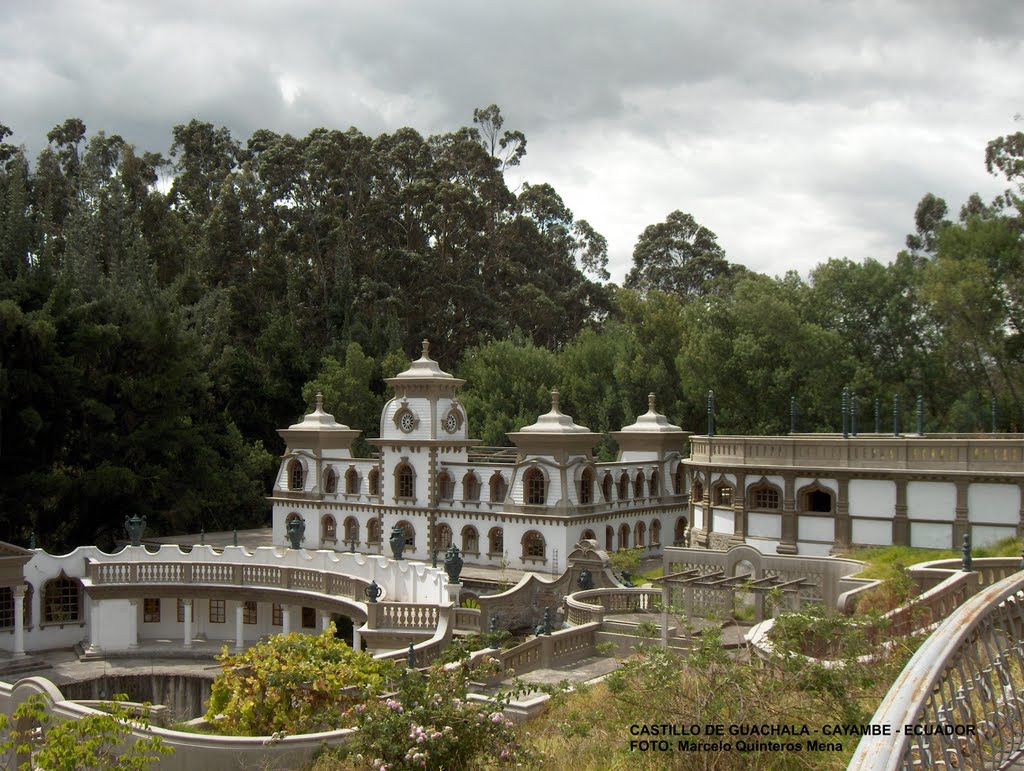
(796, 131)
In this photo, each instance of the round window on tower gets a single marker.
(407, 422)
(451, 423)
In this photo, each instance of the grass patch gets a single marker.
(882, 561)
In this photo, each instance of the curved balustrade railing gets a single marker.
(959, 702)
(267, 576)
(592, 605)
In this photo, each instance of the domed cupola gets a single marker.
(319, 431)
(554, 434)
(650, 436)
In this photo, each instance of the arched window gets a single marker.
(816, 499)
(640, 534)
(352, 482)
(533, 546)
(470, 487)
(373, 479)
(680, 479)
(410, 534)
(721, 495)
(638, 485)
(496, 542)
(606, 487)
(763, 497)
(587, 487)
(442, 537)
(623, 491)
(609, 538)
(499, 487)
(535, 487)
(697, 491)
(62, 600)
(655, 532)
(373, 531)
(653, 484)
(351, 530)
(330, 481)
(296, 475)
(328, 528)
(445, 486)
(679, 536)
(7, 607)
(405, 481)
(470, 540)
(624, 537)
(588, 535)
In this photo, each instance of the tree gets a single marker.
(679, 256)
(929, 217)
(506, 148)
(96, 742)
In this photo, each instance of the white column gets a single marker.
(19, 620)
(94, 625)
(133, 624)
(357, 640)
(238, 627)
(286, 619)
(188, 622)
(325, 620)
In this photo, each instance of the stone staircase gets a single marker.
(18, 665)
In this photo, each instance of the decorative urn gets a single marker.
(296, 531)
(453, 564)
(397, 541)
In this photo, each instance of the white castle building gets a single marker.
(523, 507)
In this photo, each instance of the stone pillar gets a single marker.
(666, 599)
(325, 620)
(187, 619)
(286, 619)
(133, 632)
(95, 624)
(843, 527)
(357, 639)
(739, 510)
(19, 619)
(1020, 512)
(900, 523)
(961, 523)
(239, 621)
(789, 530)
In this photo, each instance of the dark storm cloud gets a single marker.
(795, 130)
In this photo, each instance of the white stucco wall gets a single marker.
(985, 535)
(815, 529)
(931, 500)
(872, 498)
(993, 504)
(764, 525)
(931, 535)
(872, 532)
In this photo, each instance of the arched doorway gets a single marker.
(343, 628)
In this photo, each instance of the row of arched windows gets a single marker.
(768, 497)
(350, 530)
(637, 536)
(624, 487)
(534, 484)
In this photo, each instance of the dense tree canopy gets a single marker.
(161, 317)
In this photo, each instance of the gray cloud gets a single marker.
(795, 130)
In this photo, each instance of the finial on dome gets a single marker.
(426, 348)
(650, 401)
(554, 398)
(319, 401)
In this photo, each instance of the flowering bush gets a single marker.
(296, 683)
(431, 724)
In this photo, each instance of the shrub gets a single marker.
(98, 741)
(431, 723)
(295, 683)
